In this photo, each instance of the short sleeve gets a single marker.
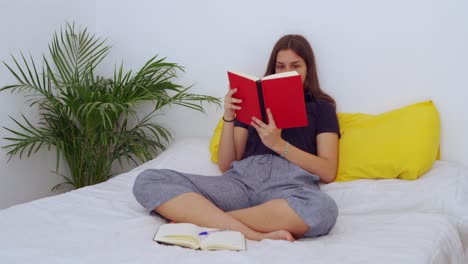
(238, 123)
(327, 120)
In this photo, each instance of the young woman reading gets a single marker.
(269, 187)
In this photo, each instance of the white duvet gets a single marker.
(380, 221)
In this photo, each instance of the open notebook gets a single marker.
(196, 237)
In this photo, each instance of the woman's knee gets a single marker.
(155, 186)
(147, 183)
(322, 218)
(143, 179)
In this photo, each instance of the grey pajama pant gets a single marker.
(249, 182)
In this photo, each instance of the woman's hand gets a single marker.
(230, 104)
(269, 134)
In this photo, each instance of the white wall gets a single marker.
(372, 56)
(27, 26)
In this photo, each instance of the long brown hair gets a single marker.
(301, 47)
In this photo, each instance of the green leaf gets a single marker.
(93, 121)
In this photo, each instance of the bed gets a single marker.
(380, 221)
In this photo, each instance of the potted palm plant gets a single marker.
(91, 121)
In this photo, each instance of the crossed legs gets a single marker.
(271, 220)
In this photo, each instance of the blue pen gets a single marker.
(204, 233)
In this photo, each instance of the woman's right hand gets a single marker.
(230, 104)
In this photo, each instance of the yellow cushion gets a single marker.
(402, 143)
(214, 143)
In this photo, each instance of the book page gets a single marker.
(245, 75)
(280, 75)
(232, 240)
(183, 234)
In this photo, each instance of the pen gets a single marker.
(204, 233)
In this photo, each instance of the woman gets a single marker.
(268, 189)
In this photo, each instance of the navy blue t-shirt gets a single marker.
(321, 117)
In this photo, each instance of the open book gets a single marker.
(193, 236)
(283, 93)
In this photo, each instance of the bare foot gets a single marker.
(279, 235)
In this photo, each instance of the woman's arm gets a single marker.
(231, 145)
(324, 164)
(233, 139)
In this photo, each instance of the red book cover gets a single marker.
(283, 93)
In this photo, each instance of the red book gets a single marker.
(283, 93)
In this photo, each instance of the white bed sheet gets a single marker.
(383, 221)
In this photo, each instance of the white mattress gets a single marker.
(383, 221)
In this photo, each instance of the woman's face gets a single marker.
(288, 60)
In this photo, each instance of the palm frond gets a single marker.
(30, 140)
(91, 121)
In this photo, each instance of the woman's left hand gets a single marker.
(269, 134)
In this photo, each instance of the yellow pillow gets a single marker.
(214, 143)
(402, 143)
